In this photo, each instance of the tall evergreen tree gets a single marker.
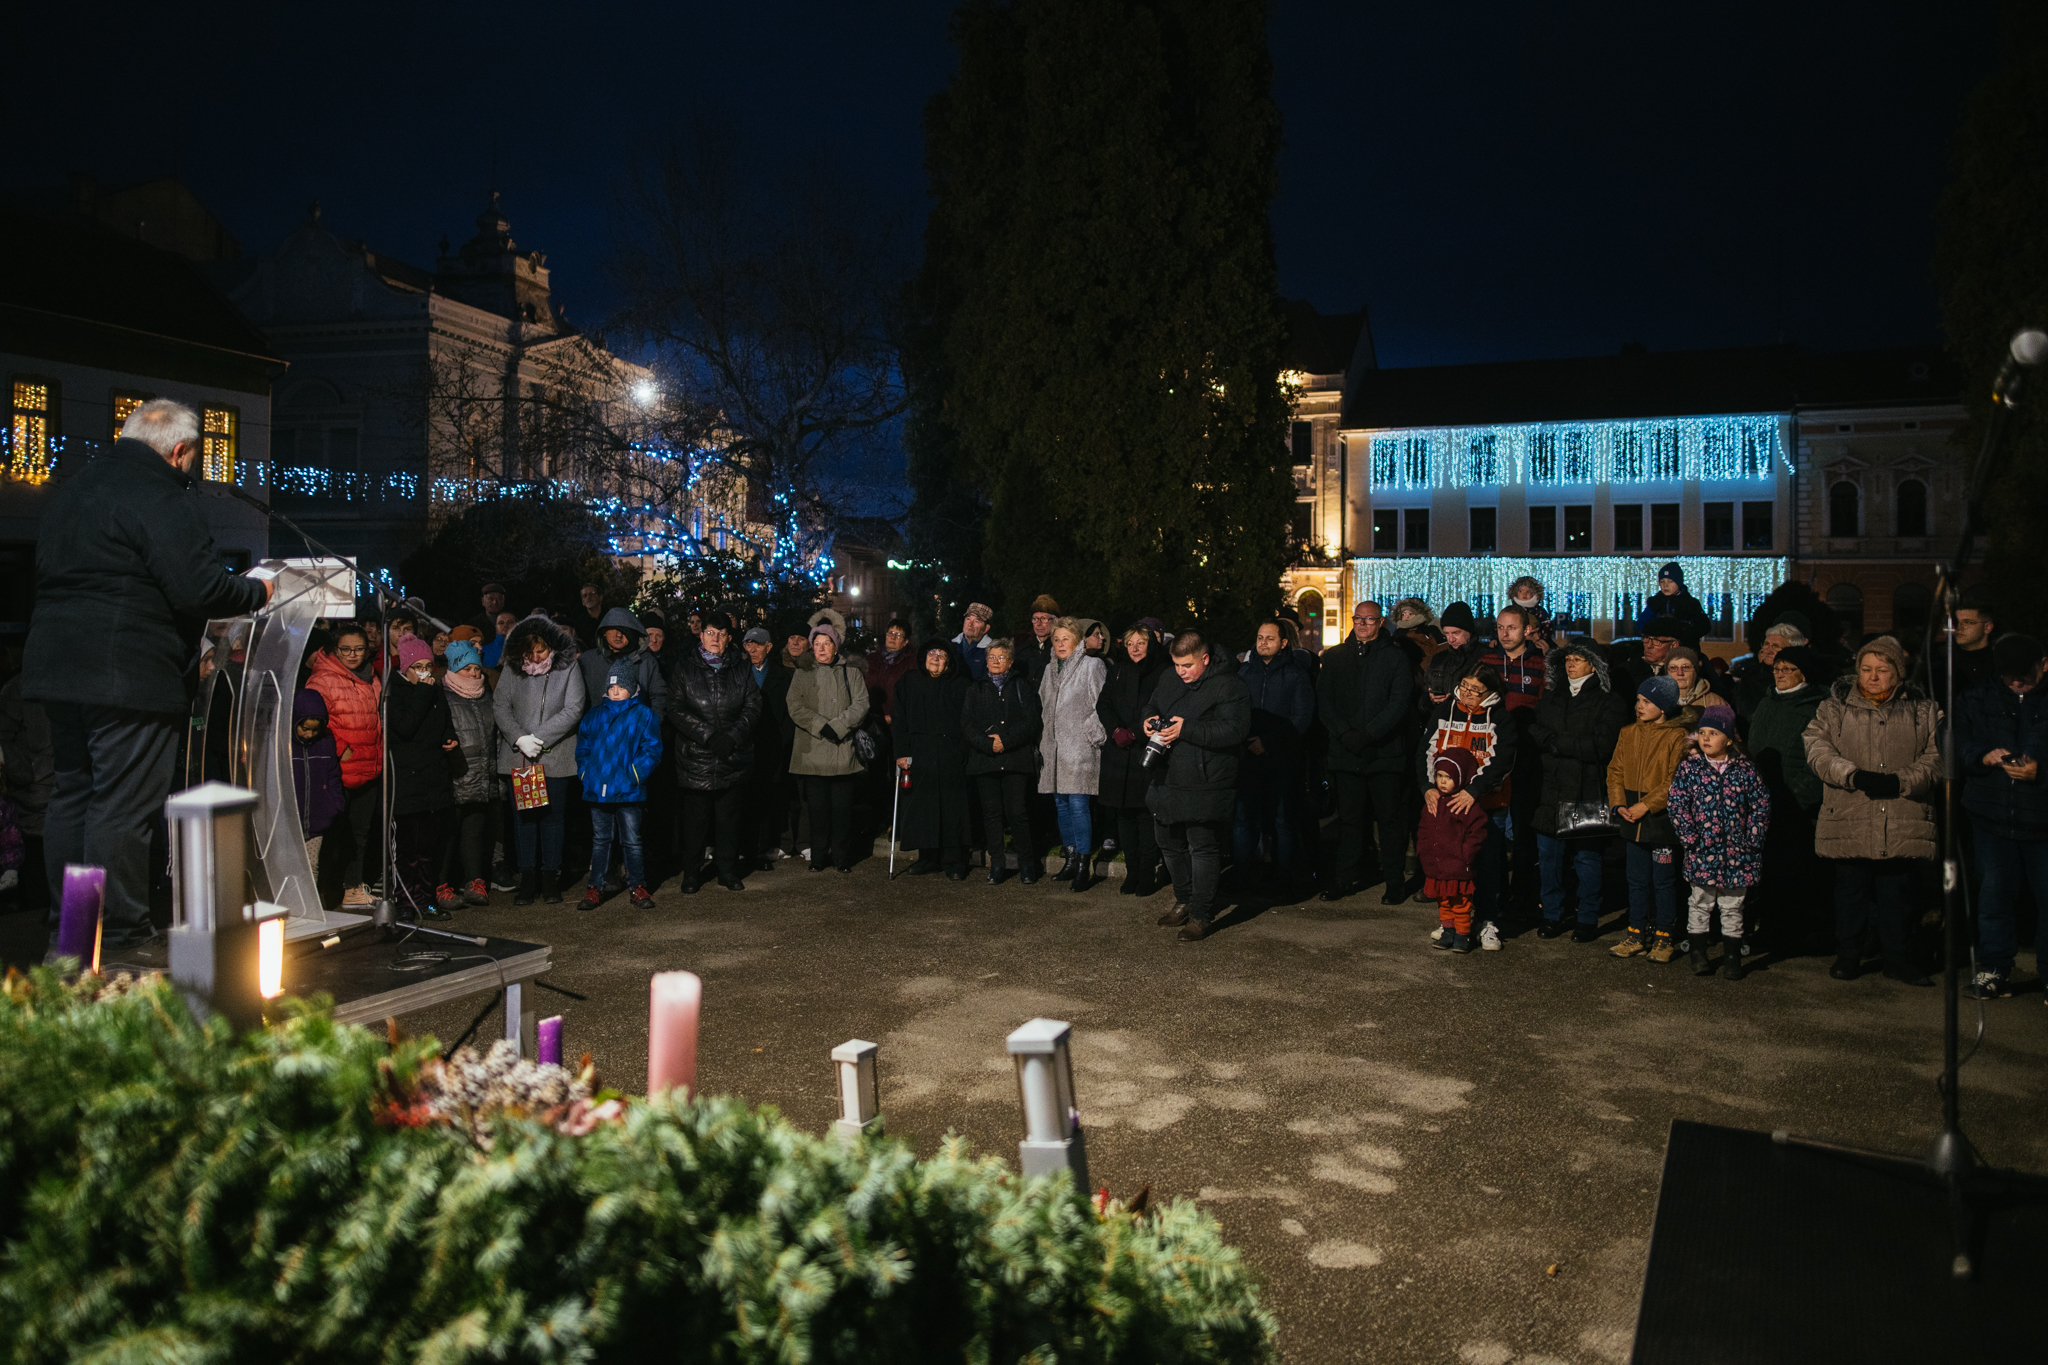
(1097, 370)
(1992, 264)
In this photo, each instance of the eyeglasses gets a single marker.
(351, 649)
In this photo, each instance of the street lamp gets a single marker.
(1041, 1051)
(226, 947)
(854, 1062)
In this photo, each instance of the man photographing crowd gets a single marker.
(127, 577)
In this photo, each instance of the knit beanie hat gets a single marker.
(461, 654)
(829, 631)
(466, 633)
(1888, 649)
(2016, 656)
(1661, 692)
(1805, 658)
(1458, 616)
(308, 705)
(624, 680)
(1459, 763)
(1792, 622)
(1673, 571)
(411, 650)
(1720, 718)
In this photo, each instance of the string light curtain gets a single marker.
(29, 431)
(1598, 587)
(1658, 450)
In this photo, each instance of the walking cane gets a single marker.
(894, 806)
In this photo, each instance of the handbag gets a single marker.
(864, 746)
(529, 788)
(1585, 820)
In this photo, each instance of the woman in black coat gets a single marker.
(930, 745)
(422, 785)
(1578, 719)
(1001, 723)
(713, 707)
(1133, 676)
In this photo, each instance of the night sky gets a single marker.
(1495, 181)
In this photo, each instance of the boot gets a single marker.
(529, 885)
(1068, 865)
(1082, 881)
(1696, 956)
(1732, 968)
(551, 888)
(1130, 886)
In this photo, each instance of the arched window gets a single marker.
(1911, 603)
(1912, 508)
(1846, 600)
(1308, 610)
(1844, 506)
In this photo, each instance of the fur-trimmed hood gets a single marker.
(554, 635)
(1553, 667)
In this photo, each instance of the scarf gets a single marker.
(889, 656)
(1788, 691)
(1876, 698)
(1691, 696)
(537, 668)
(462, 685)
(1579, 684)
(1001, 680)
(711, 661)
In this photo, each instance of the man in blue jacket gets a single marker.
(127, 577)
(1269, 774)
(2001, 739)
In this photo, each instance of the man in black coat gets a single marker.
(715, 711)
(127, 577)
(1364, 692)
(767, 791)
(1204, 714)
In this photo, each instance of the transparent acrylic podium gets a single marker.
(242, 727)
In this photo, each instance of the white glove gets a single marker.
(9, 879)
(529, 745)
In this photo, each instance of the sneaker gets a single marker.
(804, 853)
(1630, 945)
(1664, 949)
(1489, 937)
(1436, 933)
(356, 898)
(592, 898)
(445, 897)
(1443, 937)
(1989, 985)
(641, 900)
(478, 893)
(773, 855)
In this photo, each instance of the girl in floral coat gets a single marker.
(1721, 809)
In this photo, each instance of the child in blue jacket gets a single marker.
(617, 748)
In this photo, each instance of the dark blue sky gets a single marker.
(1494, 181)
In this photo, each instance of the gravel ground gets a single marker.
(1426, 1157)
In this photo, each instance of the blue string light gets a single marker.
(1599, 587)
(1658, 450)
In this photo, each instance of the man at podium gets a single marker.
(127, 577)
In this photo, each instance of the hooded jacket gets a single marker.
(599, 663)
(420, 725)
(546, 707)
(474, 765)
(1366, 693)
(1447, 842)
(618, 747)
(1576, 735)
(714, 713)
(1901, 736)
(1200, 778)
(926, 730)
(316, 767)
(1489, 732)
(1721, 814)
(351, 717)
(1126, 690)
(826, 696)
(1072, 738)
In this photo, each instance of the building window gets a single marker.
(1303, 438)
(220, 427)
(1303, 524)
(1542, 529)
(1628, 527)
(1756, 526)
(126, 401)
(31, 426)
(1386, 531)
(1912, 508)
(1664, 525)
(1578, 529)
(1720, 526)
(1416, 520)
(1844, 521)
(1485, 533)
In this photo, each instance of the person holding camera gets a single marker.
(1002, 723)
(1198, 720)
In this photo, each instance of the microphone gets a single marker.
(2029, 348)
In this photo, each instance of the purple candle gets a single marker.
(550, 1041)
(78, 926)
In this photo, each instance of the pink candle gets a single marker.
(674, 998)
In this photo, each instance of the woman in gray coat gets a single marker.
(827, 702)
(1875, 744)
(539, 703)
(466, 854)
(1070, 746)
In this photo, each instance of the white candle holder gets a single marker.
(854, 1063)
(1041, 1051)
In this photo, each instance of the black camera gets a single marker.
(1155, 749)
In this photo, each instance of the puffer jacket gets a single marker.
(1991, 716)
(714, 713)
(1721, 816)
(1121, 706)
(351, 718)
(1010, 713)
(1200, 777)
(547, 707)
(419, 765)
(1850, 732)
(618, 747)
(823, 696)
(635, 661)
(1490, 734)
(1283, 698)
(1777, 742)
(474, 764)
(1576, 736)
(1072, 738)
(1645, 756)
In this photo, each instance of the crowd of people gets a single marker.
(1501, 769)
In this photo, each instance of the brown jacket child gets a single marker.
(1638, 786)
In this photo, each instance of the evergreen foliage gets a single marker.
(173, 1193)
(1992, 263)
(1097, 357)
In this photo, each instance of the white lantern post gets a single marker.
(226, 949)
(854, 1062)
(1041, 1051)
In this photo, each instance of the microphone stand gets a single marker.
(1950, 1162)
(384, 911)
